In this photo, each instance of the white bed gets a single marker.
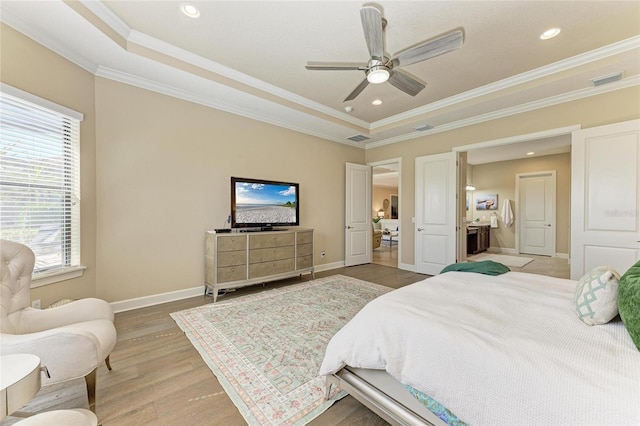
(494, 350)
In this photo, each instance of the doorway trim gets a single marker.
(559, 131)
(397, 161)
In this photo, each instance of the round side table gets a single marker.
(19, 381)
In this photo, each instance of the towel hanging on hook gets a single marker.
(494, 220)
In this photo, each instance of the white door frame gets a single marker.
(397, 161)
(560, 131)
(519, 219)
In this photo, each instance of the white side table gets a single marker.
(19, 381)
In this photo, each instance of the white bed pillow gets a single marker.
(596, 296)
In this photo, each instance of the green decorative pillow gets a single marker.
(629, 302)
(487, 267)
(596, 296)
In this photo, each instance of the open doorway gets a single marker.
(495, 173)
(386, 203)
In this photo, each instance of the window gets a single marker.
(39, 179)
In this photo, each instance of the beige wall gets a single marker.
(155, 174)
(613, 107)
(163, 179)
(29, 66)
(500, 178)
(379, 194)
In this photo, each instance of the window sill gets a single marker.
(51, 277)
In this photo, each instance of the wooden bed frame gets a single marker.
(383, 395)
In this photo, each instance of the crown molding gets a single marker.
(108, 17)
(506, 112)
(165, 89)
(45, 39)
(525, 77)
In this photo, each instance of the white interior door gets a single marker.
(605, 197)
(436, 214)
(358, 225)
(537, 213)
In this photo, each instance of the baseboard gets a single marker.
(502, 250)
(156, 299)
(328, 266)
(562, 255)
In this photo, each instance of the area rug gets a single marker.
(266, 349)
(515, 261)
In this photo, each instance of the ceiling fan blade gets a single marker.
(430, 49)
(405, 82)
(335, 66)
(357, 90)
(372, 26)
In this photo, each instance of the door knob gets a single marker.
(419, 229)
(548, 224)
(349, 227)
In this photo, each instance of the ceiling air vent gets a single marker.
(358, 138)
(599, 81)
(423, 128)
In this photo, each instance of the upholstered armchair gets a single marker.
(71, 340)
(377, 237)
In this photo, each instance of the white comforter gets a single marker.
(506, 350)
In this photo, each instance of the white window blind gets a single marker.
(40, 181)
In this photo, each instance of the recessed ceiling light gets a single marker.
(377, 102)
(550, 33)
(348, 108)
(530, 153)
(190, 10)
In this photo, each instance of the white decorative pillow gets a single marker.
(597, 296)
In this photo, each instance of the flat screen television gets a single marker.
(262, 204)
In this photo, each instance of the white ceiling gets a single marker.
(248, 57)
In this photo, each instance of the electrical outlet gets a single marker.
(36, 304)
(322, 253)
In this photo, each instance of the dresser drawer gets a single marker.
(232, 273)
(271, 240)
(305, 249)
(271, 268)
(304, 237)
(304, 262)
(232, 258)
(269, 254)
(232, 243)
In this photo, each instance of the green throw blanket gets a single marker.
(487, 267)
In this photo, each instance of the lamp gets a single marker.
(380, 213)
(377, 74)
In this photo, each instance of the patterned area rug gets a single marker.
(515, 261)
(266, 349)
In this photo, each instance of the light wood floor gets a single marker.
(158, 378)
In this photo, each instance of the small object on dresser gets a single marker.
(223, 230)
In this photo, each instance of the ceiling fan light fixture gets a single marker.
(378, 74)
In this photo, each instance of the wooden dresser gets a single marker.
(238, 259)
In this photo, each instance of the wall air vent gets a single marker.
(599, 81)
(423, 128)
(358, 138)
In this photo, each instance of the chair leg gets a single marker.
(90, 380)
(106, 361)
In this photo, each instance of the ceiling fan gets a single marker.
(380, 68)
